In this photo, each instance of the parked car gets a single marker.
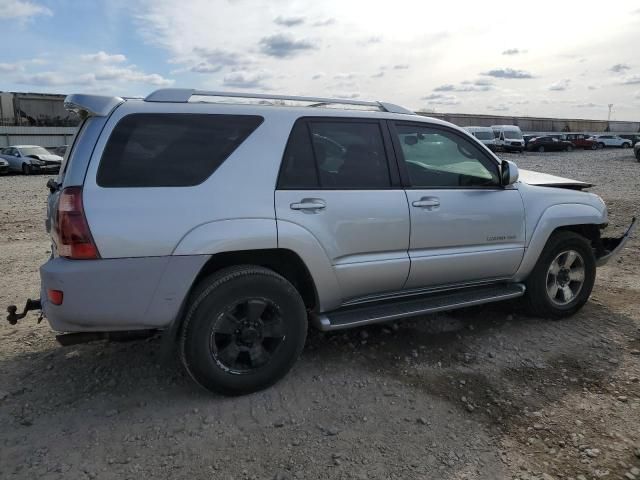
(611, 141)
(526, 139)
(61, 150)
(189, 218)
(484, 134)
(632, 137)
(30, 159)
(636, 150)
(581, 140)
(508, 137)
(549, 144)
(4, 166)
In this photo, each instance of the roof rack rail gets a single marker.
(183, 95)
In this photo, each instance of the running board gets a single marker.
(392, 310)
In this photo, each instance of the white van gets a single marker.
(484, 134)
(509, 137)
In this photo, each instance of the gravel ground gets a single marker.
(478, 393)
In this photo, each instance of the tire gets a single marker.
(594, 146)
(538, 298)
(569, 148)
(625, 145)
(541, 148)
(600, 144)
(26, 169)
(217, 351)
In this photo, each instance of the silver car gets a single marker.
(232, 227)
(30, 159)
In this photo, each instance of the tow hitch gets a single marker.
(13, 317)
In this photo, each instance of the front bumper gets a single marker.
(613, 246)
(47, 168)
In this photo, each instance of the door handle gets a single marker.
(427, 202)
(308, 204)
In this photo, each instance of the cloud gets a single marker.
(441, 99)
(289, 21)
(498, 108)
(401, 66)
(620, 68)
(211, 60)
(378, 75)
(587, 105)
(345, 76)
(51, 79)
(560, 85)
(22, 9)
(245, 79)
(9, 67)
(371, 40)
(324, 23)
(346, 95)
(592, 87)
(480, 85)
(318, 76)
(131, 74)
(281, 45)
(103, 57)
(631, 80)
(513, 51)
(507, 73)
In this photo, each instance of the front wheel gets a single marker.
(541, 148)
(601, 145)
(569, 148)
(562, 280)
(625, 145)
(26, 169)
(594, 146)
(244, 329)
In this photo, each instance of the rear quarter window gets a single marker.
(171, 150)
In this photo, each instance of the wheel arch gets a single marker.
(582, 219)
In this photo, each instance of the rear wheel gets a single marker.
(243, 331)
(541, 148)
(562, 280)
(594, 146)
(626, 145)
(601, 145)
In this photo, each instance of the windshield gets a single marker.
(26, 151)
(512, 135)
(484, 135)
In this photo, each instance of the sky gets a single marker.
(544, 58)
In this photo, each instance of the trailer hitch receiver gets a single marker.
(13, 317)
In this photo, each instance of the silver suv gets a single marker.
(232, 225)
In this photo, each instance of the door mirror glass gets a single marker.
(509, 173)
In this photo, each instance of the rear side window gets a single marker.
(170, 150)
(331, 155)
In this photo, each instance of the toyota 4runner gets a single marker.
(232, 225)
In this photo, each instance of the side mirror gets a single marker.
(509, 173)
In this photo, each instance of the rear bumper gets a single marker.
(117, 294)
(615, 245)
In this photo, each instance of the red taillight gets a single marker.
(74, 238)
(55, 296)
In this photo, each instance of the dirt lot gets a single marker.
(481, 393)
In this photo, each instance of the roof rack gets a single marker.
(183, 95)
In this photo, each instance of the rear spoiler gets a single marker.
(91, 105)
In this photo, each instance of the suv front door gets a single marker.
(338, 184)
(465, 226)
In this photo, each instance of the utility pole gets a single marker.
(609, 116)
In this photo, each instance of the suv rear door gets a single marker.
(337, 182)
(465, 227)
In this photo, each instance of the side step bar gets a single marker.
(386, 311)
